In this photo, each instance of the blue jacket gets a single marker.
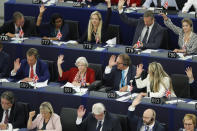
(41, 71)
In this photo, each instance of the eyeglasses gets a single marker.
(119, 63)
(188, 124)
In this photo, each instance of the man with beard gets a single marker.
(147, 122)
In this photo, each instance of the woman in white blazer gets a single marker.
(188, 5)
(157, 81)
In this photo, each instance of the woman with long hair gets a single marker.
(96, 32)
(157, 81)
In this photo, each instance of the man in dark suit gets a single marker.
(30, 68)
(12, 114)
(149, 34)
(98, 120)
(4, 62)
(13, 27)
(147, 122)
(120, 73)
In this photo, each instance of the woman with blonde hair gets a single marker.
(189, 122)
(46, 120)
(187, 38)
(157, 81)
(96, 32)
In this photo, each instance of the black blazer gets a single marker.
(17, 116)
(156, 34)
(111, 123)
(4, 64)
(29, 28)
(138, 121)
(113, 79)
(103, 31)
(193, 90)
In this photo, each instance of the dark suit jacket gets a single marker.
(17, 116)
(29, 28)
(111, 123)
(156, 34)
(138, 121)
(103, 31)
(193, 90)
(113, 79)
(41, 71)
(49, 31)
(4, 64)
(70, 75)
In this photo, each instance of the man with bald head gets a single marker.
(147, 122)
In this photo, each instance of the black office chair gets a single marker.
(113, 31)
(26, 110)
(165, 40)
(52, 70)
(98, 69)
(180, 85)
(123, 121)
(32, 19)
(68, 119)
(73, 29)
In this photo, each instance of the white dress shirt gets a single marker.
(4, 114)
(108, 70)
(172, 3)
(144, 32)
(34, 69)
(162, 90)
(188, 5)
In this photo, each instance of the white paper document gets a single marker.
(174, 101)
(111, 42)
(121, 93)
(38, 84)
(99, 49)
(149, 51)
(4, 80)
(124, 98)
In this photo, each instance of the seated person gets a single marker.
(160, 3)
(148, 121)
(4, 62)
(189, 122)
(12, 113)
(96, 32)
(132, 3)
(188, 5)
(80, 76)
(148, 34)
(56, 29)
(157, 82)
(187, 38)
(46, 120)
(18, 27)
(192, 83)
(119, 73)
(31, 67)
(99, 119)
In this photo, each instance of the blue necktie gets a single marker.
(123, 79)
(146, 128)
(99, 126)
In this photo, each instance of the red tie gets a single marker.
(32, 73)
(6, 117)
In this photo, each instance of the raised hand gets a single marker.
(189, 73)
(32, 114)
(112, 61)
(120, 4)
(60, 59)
(164, 16)
(108, 3)
(137, 100)
(17, 65)
(139, 70)
(42, 9)
(81, 111)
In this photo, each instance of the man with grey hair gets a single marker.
(18, 25)
(98, 120)
(149, 34)
(148, 121)
(12, 114)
